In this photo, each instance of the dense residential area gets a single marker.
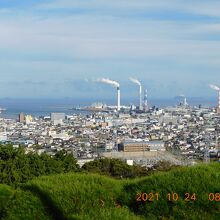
(181, 135)
(112, 165)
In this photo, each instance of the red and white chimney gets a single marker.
(219, 99)
(119, 99)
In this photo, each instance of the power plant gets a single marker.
(143, 99)
(184, 100)
(216, 88)
(140, 91)
(115, 85)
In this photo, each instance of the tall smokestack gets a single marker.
(140, 96)
(145, 100)
(140, 91)
(216, 88)
(219, 101)
(115, 85)
(185, 102)
(119, 99)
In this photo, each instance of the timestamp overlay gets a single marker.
(164, 202)
(175, 196)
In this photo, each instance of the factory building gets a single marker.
(157, 146)
(139, 146)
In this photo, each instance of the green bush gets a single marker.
(115, 168)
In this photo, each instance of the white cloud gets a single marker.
(82, 37)
(205, 29)
(206, 8)
(120, 4)
(199, 7)
(98, 44)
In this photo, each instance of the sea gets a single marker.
(43, 107)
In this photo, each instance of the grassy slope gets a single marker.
(90, 196)
(19, 204)
(200, 180)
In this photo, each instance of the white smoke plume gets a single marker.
(109, 81)
(214, 87)
(182, 95)
(135, 81)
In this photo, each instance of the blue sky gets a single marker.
(58, 48)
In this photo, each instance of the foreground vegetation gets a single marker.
(91, 196)
(17, 167)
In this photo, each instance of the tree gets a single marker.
(69, 163)
(18, 167)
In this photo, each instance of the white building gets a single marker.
(57, 118)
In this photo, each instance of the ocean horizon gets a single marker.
(43, 107)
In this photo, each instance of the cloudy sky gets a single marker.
(58, 48)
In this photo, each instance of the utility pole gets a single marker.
(206, 153)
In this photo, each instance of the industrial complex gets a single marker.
(145, 135)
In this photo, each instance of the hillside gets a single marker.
(90, 196)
